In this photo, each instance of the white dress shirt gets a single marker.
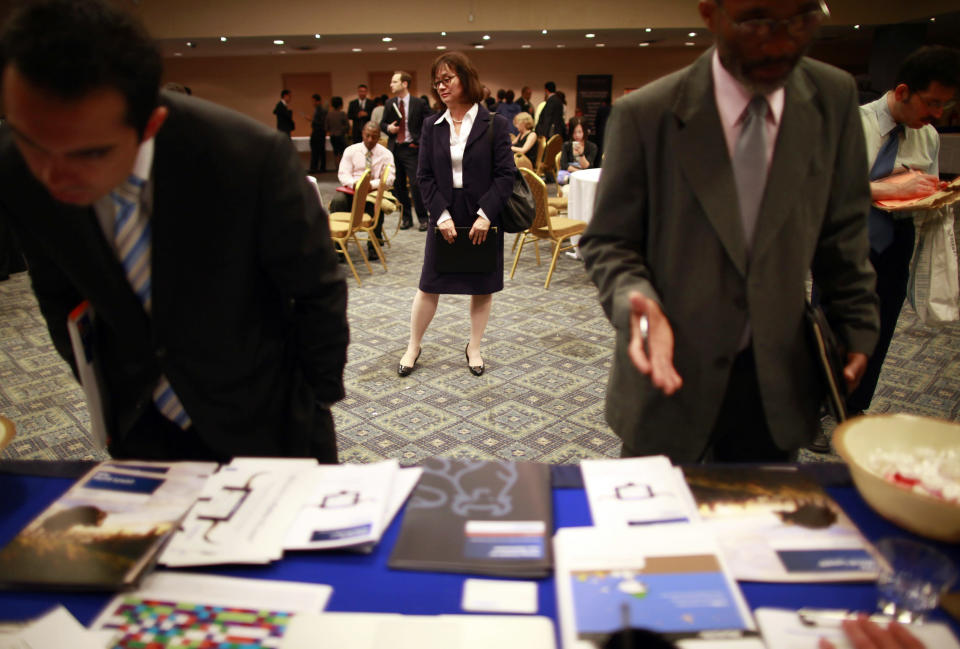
(354, 163)
(458, 143)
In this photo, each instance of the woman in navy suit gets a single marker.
(465, 180)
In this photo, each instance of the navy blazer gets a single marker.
(488, 170)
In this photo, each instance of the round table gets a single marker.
(580, 197)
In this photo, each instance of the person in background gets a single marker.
(318, 136)
(525, 141)
(337, 127)
(524, 100)
(508, 109)
(220, 313)
(359, 113)
(465, 180)
(550, 118)
(357, 158)
(899, 136)
(403, 117)
(703, 233)
(284, 113)
(577, 153)
(600, 126)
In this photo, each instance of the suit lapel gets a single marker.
(479, 127)
(710, 177)
(791, 159)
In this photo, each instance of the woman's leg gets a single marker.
(479, 314)
(424, 308)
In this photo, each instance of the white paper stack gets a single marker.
(637, 491)
(253, 509)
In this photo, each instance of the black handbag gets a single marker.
(518, 212)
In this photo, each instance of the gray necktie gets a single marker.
(750, 166)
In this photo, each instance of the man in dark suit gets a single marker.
(190, 229)
(359, 113)
(284, 113)
(403, 119)
(550, 122)
(724, 183)
(318, 136)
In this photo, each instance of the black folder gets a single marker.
(830, 358)
(462, 256)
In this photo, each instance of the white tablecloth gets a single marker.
(582, 192)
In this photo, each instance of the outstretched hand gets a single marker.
(864, 634)
(651, 343)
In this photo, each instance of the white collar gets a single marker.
(144, 160)
(472, 114)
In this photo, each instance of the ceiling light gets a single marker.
(441, 47)
(357, 49)
(560, 45)
(601, 44)
(933, 20)
(316, 35)
(645, 44)
(443, 33)
(648, 30)
(191, 44)
(278, 42)
(386, 39)
(223, 39)
(478, 47)
(590, 35)
(486, 37)
(525, 46)
(177, 54)
(856, 26)
(692, 34)
(544, 31)
(689, 43)
(392, 49)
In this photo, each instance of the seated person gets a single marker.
(525, 141)
(356, 158)
(579, 153)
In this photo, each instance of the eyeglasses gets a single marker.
(936, 104)
(444, 81)
(798, 25)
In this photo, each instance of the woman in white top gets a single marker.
(466, 173)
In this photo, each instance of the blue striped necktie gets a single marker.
(131, 233)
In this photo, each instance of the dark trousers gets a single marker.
(318, 153)
(406, 156)
(740, 433)
(893, 272)
(154, 437)
(11, 261)
(344, 203)
(339, 144)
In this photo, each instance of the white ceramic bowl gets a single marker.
(7, 431)
(919, 513)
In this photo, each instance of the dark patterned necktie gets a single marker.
(402, 133)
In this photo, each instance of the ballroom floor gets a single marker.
(541, 398)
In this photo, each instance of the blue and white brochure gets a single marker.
(667, 578)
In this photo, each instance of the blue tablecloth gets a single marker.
(365, 583)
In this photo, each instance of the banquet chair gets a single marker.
(7, 432)
(541, 149)
(344, 231)
(369, 223)
(551, 211)
(555, 229)
(559, 201)
(521, 160)
(548, 162)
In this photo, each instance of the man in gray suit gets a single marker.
(723, 184)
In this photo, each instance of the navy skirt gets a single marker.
(459, 283)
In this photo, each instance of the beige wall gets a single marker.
(252, 85)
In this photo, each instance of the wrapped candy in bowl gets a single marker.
(907, 468)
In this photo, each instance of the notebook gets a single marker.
(462, 256)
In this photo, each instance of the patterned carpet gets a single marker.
(547, 354)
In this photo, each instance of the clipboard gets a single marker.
(462, 256)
